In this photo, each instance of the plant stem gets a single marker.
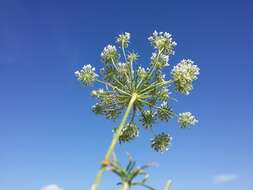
(114, 142)
(113, 87)
(152, 69)
(168, 185)
(124, 186)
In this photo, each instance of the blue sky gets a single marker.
(48, 135)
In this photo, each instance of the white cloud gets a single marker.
(223, 178)
(51, 187)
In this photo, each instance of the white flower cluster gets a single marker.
(142, 73)
(109, 54)
(160, 61)
(185, 119)
(86, 75)
(165, 112)
(122, 68)
(163, 41)
(164, 104)
(164, 94)
(161, 78)
(184, 73)
(123, 39)
(98, 93)
(132, 57)
(145, 89)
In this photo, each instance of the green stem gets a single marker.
(124, 186)
(122, 85)
(124, 53)
(151, 70)
(154, 85)
(113, 87)
(168, 185)
(131, 63)
(114, 65)
(114, 142)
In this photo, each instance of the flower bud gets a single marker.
(161, 142)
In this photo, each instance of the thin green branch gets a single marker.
(114, 65)
(113, 143)
(112, 86)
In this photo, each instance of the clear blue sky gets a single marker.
(48, 135)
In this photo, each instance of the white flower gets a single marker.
(86, 75)
(165, 111)
(109, 54)
(164, 103)
(160, 61)
(164, 94)
(132, 57)
(183, 74)
(185, 119)
(97, 93)
(185, 69)
(123, 39)
(122, 68)
(145, 90)
(142, 73)
(163, 42)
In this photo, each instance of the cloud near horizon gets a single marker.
(224, 178)
(51, 187)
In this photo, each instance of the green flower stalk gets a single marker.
(138, 94)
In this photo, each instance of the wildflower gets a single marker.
(184, 73)
(140, 93)
(161, 142)
(123, 39)
(185, 119)
(163, 41)
(145, 90)
(86, 75)
(165, 112)
(110, 54)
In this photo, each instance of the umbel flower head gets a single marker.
(86, 75)
(123, 39)
(124, 79)
(186, 119)
(161, 142)
(129, 132)
(184, 74)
